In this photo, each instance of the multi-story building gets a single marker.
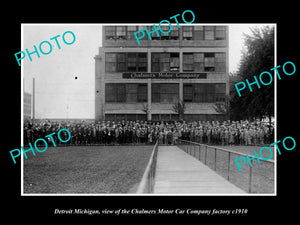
(27, 106)
(139, 82)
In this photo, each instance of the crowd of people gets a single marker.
(83, 132)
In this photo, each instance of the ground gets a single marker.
(119, 169)
(86, 169)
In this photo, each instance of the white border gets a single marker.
(142, 24)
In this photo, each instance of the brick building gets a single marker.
(139, 82)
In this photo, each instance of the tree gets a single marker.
(222, 107)
(179, 108)
(146, 110)
(257, 58)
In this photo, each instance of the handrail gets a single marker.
(147, 183)
(227, 150)
(205, 147)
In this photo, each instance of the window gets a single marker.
(188, 92)
(155, 65)
(120, 117)
(188, 62)
(174, 117)
(174, 34)
(198, 62)
(209, 62)
(209, 33)
(142, 93)
(146, 35)
(187, 33)
(131, 62)
(204, 33)
(131, 117)
(130, 93)
(110, 95)
(220, 32)
(164, 62)
(203, 92)
(155, 92)
(198, 33)
(110, 62)
(115, 32)
(174, 62)
(220, 92)
(126, 62)
(141, 117)
(171, 33)
(155, 117)
(165, 93)
(126, 117)
(121, 92)
(193, 62)
(130, 32)
(121, 62)
(204, 62)
(220, 62)
(142, 62)
(110, 32)
(155, 35)
(165, 117)
(165, 36)
(110, 117)
(121, 32)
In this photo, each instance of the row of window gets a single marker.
(126, 92)
(188, 32)
(164, 117)
(165, 62)
(126, 117)
(165, 93)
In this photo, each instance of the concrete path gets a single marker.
(179, 173)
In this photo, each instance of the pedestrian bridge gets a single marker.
(180, 173)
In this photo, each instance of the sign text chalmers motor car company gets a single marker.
(164, 75)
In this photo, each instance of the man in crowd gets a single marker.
(140, 132)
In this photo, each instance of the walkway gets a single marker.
(179, 173)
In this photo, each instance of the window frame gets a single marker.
(158, 90)
(121, 62)
(122, 93)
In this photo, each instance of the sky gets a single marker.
(58, 93)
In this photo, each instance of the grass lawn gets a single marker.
(262, 180)
(86, 169)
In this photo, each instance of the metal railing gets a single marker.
(256, 179)
(147, 183)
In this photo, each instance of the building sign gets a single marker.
(164, 75)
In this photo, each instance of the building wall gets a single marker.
(27, 106)
(155, 46)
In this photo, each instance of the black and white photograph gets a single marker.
(125, 112)
(148, 109)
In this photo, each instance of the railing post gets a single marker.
(228, 169)
(215, 159)
(250, 178)
(194, 150)
(205, 154)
